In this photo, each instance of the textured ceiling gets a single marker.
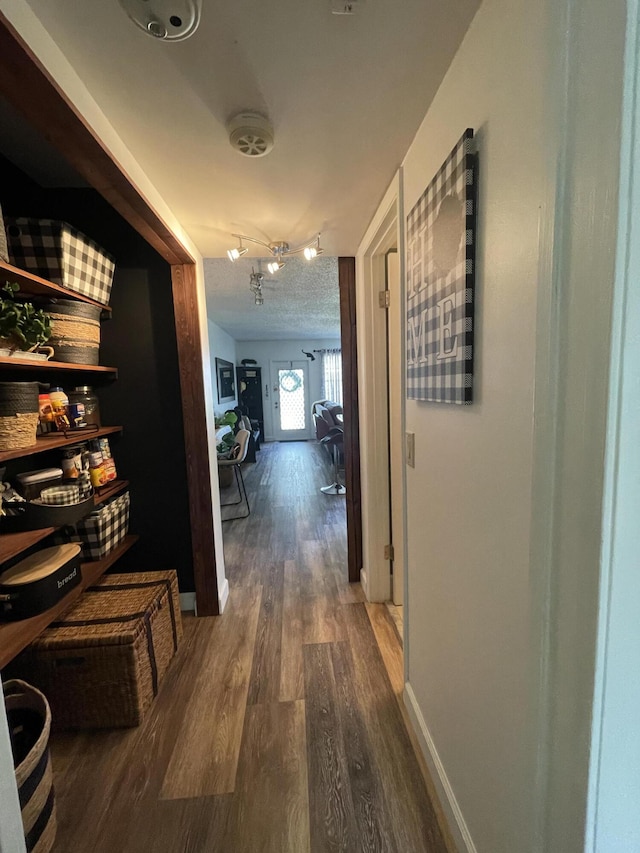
(300, 301)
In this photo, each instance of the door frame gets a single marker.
(351, 410)
(305, 434)
(384, 233)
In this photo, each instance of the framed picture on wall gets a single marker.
(440, 271)
(226, 375)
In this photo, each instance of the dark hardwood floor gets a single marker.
(279, 727)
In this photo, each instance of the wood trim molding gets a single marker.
(347, 283)
(30, 89)
(185, 301)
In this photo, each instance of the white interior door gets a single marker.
(396, 462)
(290, 400)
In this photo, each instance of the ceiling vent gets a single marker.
(169, 20)
(251, 134)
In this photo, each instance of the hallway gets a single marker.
(279, 726)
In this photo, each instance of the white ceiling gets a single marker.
(345, 95)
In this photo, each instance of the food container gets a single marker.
(33, 482)
(45, 414)
(63, 495)
(85, 394)
(39, 581)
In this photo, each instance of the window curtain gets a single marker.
(332, 375)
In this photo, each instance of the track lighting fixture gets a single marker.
(277, 250)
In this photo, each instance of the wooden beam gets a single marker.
(347, 283)
(185, 301)
(30, 89)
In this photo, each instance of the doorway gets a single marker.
(290, 400)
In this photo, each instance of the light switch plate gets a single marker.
(411, 449)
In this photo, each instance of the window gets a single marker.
(332, 375)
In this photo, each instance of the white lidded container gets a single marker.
(33, 482)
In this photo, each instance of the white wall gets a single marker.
(504, 505)
(469, 496)
(221, 345)
(265, 352)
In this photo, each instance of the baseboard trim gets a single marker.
(457, 826)
(223, 596)
(187, 601)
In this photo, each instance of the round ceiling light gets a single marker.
(251, 134)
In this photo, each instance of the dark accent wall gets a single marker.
(140, 340)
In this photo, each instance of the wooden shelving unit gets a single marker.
(37, 286)
(29, 364)
(53, 441)
(16, 636)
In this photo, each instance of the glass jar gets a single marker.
(85, 394)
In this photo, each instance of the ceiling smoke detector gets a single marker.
(251, 134)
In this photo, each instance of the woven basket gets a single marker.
(101, 665)
(75, 331)
(29, 720)
(18, 414)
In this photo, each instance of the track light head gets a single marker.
(312, 252)
(275, 266)
(234, 254)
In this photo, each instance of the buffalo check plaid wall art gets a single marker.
(440, 273)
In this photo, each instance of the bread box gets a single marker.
(39, 581)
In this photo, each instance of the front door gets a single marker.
(290, 400)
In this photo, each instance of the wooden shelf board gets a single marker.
(12, 544)
(106, 492)
(16, 636)
(53, 441)
(28, 364)
(37, 286)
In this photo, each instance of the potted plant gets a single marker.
(22, 326)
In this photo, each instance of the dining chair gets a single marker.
(242, 444)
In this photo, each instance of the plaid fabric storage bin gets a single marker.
(62, 254)
(102, 530)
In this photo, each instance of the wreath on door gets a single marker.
(290, 381)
